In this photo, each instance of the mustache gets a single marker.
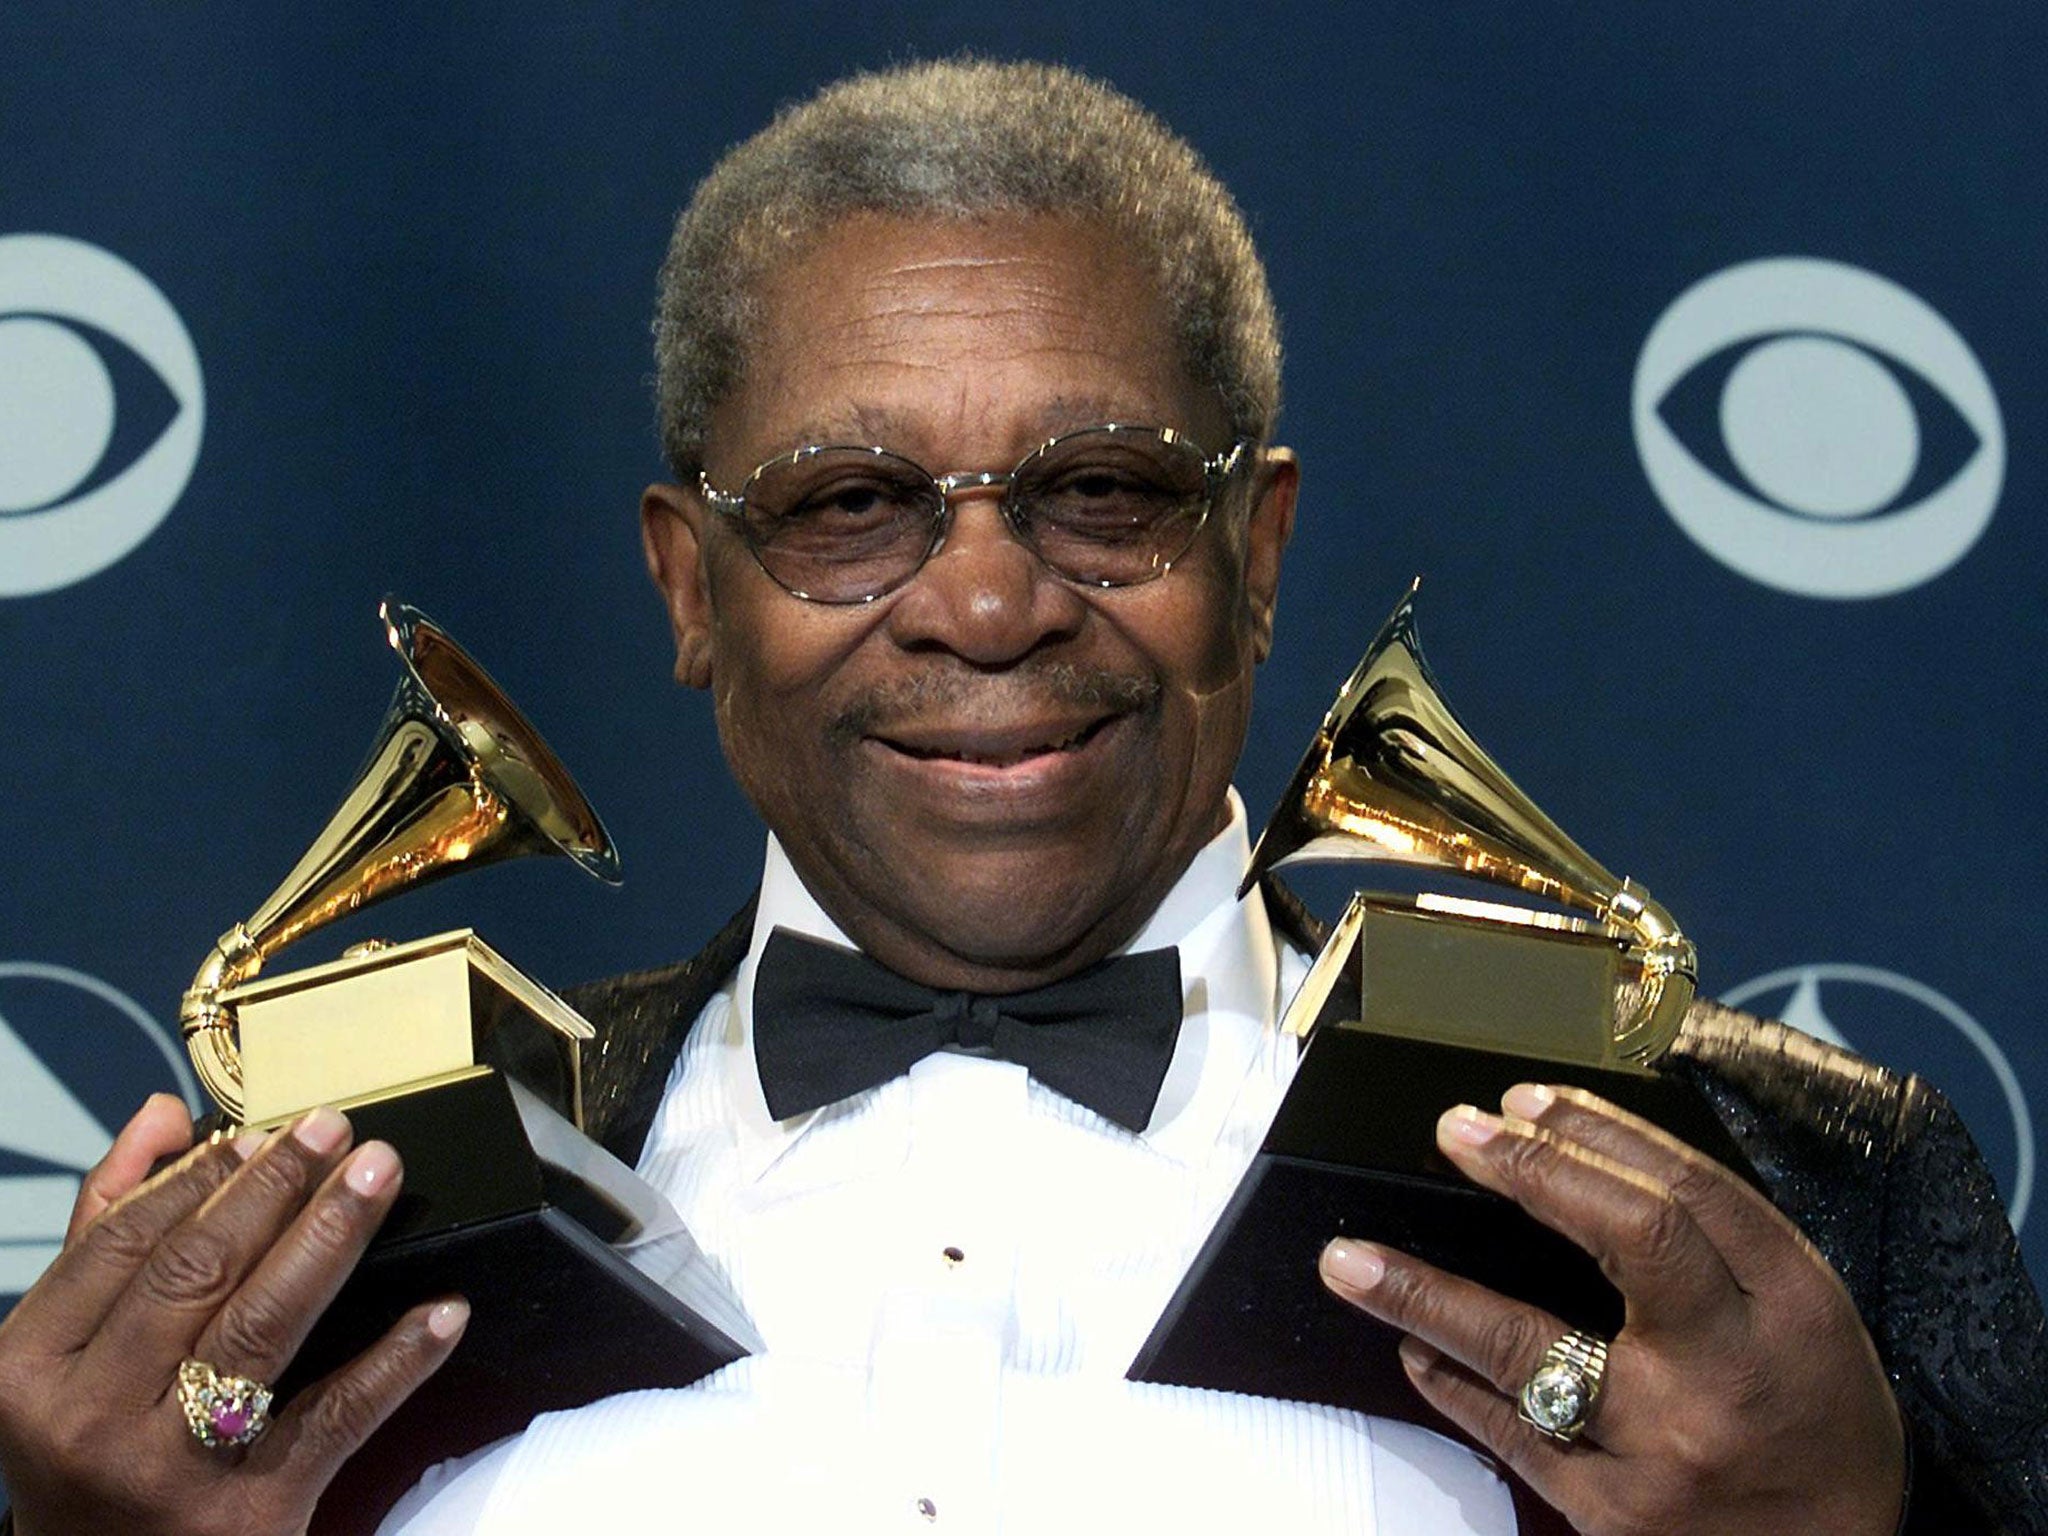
(973, 698)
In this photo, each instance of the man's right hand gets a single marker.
(227, 1256)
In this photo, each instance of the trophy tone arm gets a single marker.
(207, 1025)
(1654, 1007)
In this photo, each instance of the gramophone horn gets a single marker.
(456, 778)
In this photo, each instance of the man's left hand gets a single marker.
(1742, 1394)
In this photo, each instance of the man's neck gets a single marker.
(991, 964)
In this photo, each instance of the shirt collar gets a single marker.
(1229, 983)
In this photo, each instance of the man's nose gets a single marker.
(984, 595)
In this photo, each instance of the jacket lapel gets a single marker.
(642, 1019)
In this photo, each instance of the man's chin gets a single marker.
(996, 932)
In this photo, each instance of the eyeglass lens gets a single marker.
(1103, 507)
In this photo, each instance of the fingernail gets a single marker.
(371, 1168)
(1416, 1355)
(448, 1319)
(1353, 1264)
(321, 1131)
(1468, 1126)
(249, 1143)
(1528, 1100)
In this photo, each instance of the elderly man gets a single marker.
(967, 379)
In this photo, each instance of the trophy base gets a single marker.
(558, 1318)
(1347, 1157)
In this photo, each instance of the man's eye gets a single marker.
(850, 502)
(1100, 484)
(854, 501)
(1104, 503)
(1107, 482)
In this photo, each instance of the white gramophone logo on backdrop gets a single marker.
(101, 409)
(1818, 428)
(1887, 1017)
(76, 1058)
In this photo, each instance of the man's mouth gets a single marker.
(1029, 737)
(995, 747)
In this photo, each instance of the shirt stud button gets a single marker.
(954, 1257)
(928, 1509)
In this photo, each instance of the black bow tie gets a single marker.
(830, 1022)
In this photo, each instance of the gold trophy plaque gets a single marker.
(1412, 1005)
(473, 1071)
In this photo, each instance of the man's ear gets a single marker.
(1269, 525)
(671, 534)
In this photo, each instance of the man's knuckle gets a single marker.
(1522, 1160)
(191, 1266)
(1694, 1180)
(254, 1327)
(121, 1239)
(333, 1227)
(350, 1409)
(1509, 1345)
(1656, 1229)
(284, 1173)
(1403, 1291)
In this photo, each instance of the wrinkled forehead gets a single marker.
(889, 330)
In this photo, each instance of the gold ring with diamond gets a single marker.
(222, 1411)
(1560, 1394)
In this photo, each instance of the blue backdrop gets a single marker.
(1693, 353)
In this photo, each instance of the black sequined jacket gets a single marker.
(1875, 1168)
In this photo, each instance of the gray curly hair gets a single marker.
(964, 138)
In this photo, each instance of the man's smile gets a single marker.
(1034, 727)
(1000, 778)
(993, 746)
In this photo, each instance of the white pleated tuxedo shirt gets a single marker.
(951, 1273)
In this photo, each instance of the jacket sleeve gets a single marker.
(1879, 1172)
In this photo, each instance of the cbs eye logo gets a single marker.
(101, 410)
(1818, 429)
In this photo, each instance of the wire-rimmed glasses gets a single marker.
(1107, 506)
